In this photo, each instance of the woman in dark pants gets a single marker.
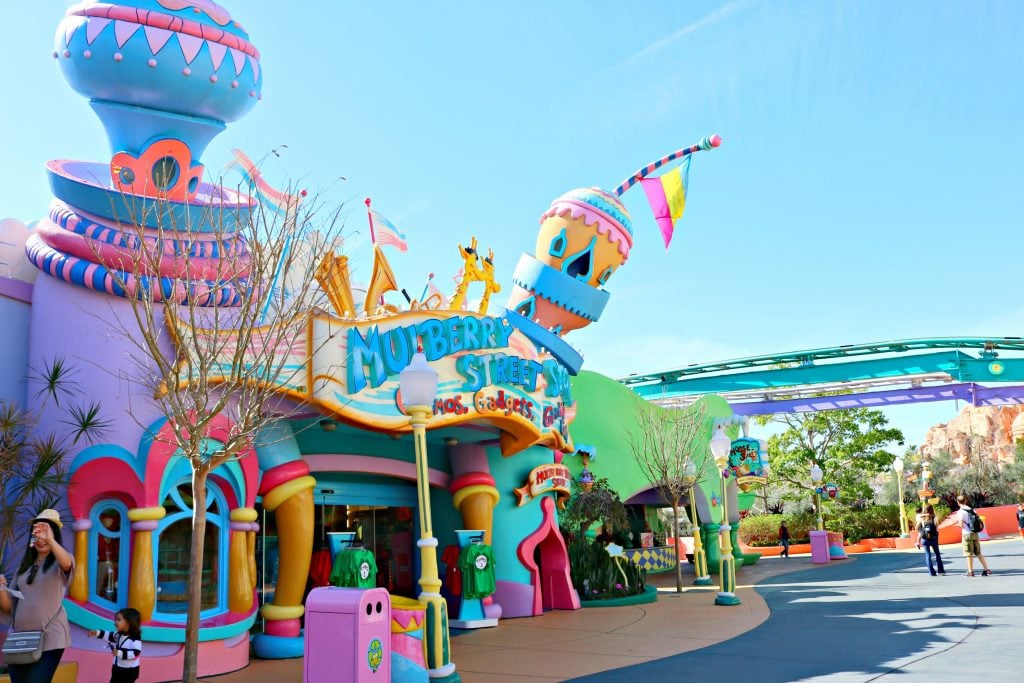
(928, 537)
(43, 579)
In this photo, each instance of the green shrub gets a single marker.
(595, 576)
(763, 530)
(760, 530)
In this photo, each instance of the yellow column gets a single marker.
(727, 564)
(700, 559)
(436, 631)
(250, 542)
(79, 588)
(240, 582)
(142, 580)
(292, 505)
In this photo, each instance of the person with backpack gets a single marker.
(970, 525)
(928, 536)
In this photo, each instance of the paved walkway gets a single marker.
(874, 616)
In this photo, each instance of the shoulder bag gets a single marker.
(24, 647)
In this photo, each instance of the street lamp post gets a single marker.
(418, 386)
(897, 467)
(700, 558)
(816, 477)
(720, 447)
(926, 476)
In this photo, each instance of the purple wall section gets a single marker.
(82, 327)
(15, 313)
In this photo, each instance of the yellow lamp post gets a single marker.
(720, 447)
(816, 477)
(700, 558)
(897, 467)
(418, 385)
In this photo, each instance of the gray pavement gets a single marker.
(877, 616)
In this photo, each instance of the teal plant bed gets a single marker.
(650, 594)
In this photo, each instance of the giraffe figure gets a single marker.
(470, 273)
(490, 286)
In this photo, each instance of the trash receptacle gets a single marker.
(819, 547)
(835, 545)
(348, 636)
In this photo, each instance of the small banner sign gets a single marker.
(747, 463)
(544, 479)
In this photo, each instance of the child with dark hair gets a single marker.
(125, 642)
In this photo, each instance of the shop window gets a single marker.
(173, 552)
(109, 544)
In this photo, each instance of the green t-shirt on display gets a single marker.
(354, 568)
(476, 562)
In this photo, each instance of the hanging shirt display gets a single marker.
(476, 562)
(354, 568)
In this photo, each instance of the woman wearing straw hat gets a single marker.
(42, 579)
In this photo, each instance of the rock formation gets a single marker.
(978, 432)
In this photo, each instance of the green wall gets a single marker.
(606, 418)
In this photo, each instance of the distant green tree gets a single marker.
(598, 504)
(850, 447)
(889, 491)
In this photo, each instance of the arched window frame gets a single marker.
(179, 472)
(123, 553)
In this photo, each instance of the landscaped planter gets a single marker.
(650, 594)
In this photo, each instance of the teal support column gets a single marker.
(711, 546)
(734, 537)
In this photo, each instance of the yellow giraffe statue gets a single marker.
(490, 286)
(470, 273)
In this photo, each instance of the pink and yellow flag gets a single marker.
(667, 196)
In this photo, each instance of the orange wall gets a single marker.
(998, 520)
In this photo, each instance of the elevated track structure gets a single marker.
(875, 375)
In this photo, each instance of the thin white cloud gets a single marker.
(724, 12)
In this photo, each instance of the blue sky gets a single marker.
(868, 188)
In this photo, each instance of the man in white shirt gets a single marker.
(972, 546)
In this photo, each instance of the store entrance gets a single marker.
(384, 530)
(381, 513)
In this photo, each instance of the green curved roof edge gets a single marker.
(606, 417)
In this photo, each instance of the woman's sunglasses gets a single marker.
(32, 574)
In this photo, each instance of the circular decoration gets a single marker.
(364, 570)
(374, 654)
(996, 367)
(480, 562)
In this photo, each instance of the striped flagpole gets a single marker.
(426, 287)
(369, 217)
(705, 144)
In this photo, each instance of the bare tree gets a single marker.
(668, 446)
(220, 300)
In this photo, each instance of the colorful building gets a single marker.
(165, 77)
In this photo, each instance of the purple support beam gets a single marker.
(974, 394)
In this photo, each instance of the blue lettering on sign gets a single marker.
(498, 368)
(558, 381)
(374, 355)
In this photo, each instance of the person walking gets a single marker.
(784, 540)
(42, 579)
(928, 537)
(972, 546)
(1020, 519)
(125, 643)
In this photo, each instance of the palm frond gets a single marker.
(86, 422)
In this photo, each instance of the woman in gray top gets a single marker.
(43, 579)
